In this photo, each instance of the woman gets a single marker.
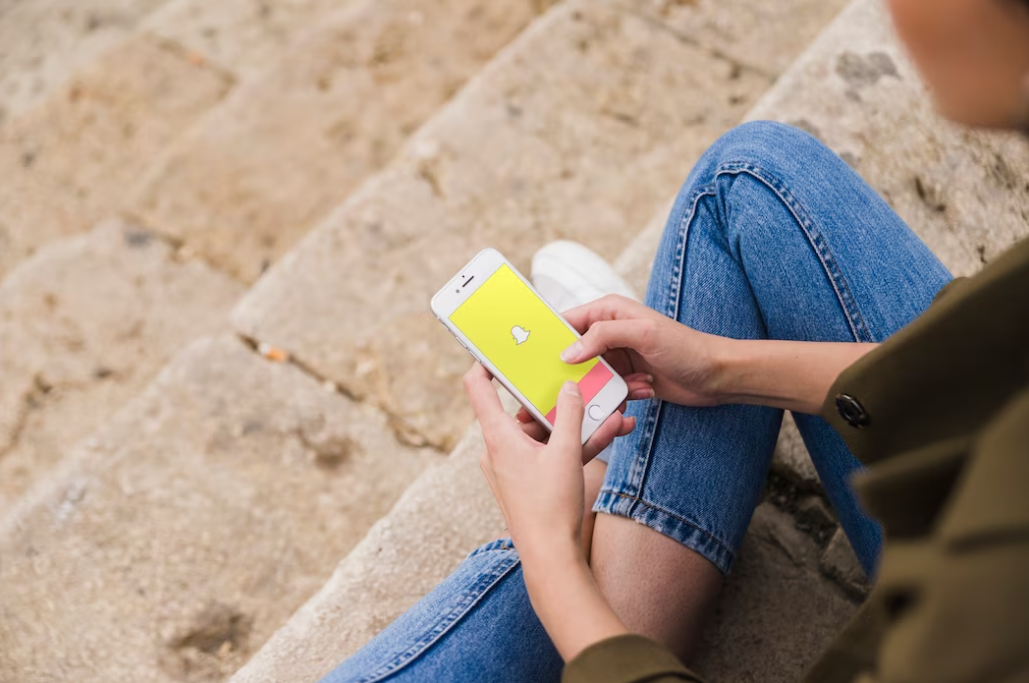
(858, 336)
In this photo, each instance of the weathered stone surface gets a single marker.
(68, 163)
(171, 544)
(764, 36)
(286, 148)
(777, 614)
(46, 41)
(525, 154)
(84, 325)
(816, 517)
(446, 513)
(840, 563)
(791, 459)
(964, 193)
(242, 36)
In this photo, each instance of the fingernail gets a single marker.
(570, 388)
(572, 352)
(641, 394)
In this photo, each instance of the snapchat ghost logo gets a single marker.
(519, 333)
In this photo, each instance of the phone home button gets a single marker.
(595, 412)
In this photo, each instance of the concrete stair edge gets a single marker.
(444, 513)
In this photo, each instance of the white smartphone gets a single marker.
(507, 326)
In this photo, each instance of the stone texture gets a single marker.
(68, 163)
(763, 36)
(242, 36)
(525, 154)
(84, 325)
(841, 564)
(775, 588)
(792, 460)
(964, 193)
(776, 614)
(445, 514)
(46, 41)
(816, 517)
(171, 544)
(245, 186)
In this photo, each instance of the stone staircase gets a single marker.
(167, 540)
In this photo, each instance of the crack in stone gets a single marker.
(737, 66)
(402, 432)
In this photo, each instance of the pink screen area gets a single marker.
(590, 385)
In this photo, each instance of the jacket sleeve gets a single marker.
(958, 601)
(627, 659)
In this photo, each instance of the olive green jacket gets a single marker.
(940, 415)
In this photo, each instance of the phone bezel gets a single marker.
(455, 292)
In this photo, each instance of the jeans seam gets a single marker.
(469, 600)
(848, 303)
(637, 500)
(641, 466)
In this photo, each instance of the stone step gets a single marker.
(84, 325)
(776, 601)
(67, 163)
(962, 192)
(242, 188)
(169, 546)
(46, 41)
(526, 153)
(244, 37)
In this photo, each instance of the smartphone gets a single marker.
(504, 323)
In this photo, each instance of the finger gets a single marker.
(606, 335)
(567, 434)
(535, 431)
(495, 423)
(615, 425)
(523, 416)
(638, 386)
(610, 307)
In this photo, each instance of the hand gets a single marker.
(539, 487)
(642, 344)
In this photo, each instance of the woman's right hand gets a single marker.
(637, 340)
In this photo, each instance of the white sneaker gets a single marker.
(567, 274)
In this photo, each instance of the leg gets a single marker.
(478, 625)
(772, 236)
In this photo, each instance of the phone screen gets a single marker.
(523, 338)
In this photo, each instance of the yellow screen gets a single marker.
(523, 338)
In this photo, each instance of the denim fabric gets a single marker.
(478, 625)
(771, 237)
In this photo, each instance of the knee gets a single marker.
(767, 144)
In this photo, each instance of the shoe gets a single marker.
(567, 274)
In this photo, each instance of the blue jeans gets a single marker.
(772, 237)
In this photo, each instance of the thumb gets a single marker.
(567, 432)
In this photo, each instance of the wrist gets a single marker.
(544, 559)
(726, 361)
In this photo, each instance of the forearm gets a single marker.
(783, 374)
(567, 600)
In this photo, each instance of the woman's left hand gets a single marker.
(539, 486)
